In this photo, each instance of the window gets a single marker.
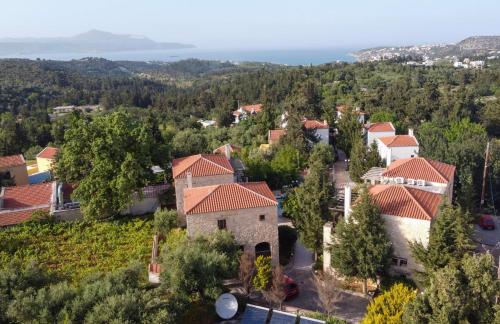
(394, 261)
(399, 262)
(262, 217)
(403, 262)
(221, 223)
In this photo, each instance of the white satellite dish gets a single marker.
(226, 306)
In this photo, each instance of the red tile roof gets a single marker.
(230, 196)
(20, 202)
(232, 148)
(421, 168)
(48, 153)
(381, 127)
(252, 108)
(315, 124)
(11, 161)
(275, 134)
(398, 200)
(399, 140)
(201, 165)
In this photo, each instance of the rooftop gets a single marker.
(48, 153)
(399, 140)
(420, 168)
(275, 134)
(230, 196)
(398, 200)
(315, 124)
(11, 161)
(252, 108)
(232, 148)
(381, 127)
(20, 202)
(201, 165)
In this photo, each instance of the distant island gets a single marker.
(487, 46)
(93, 41)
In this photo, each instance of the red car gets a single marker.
(486, 222)
(291, 288)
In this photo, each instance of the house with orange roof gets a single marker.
(417, 172)
(407, 213)
(393, 148)
(18, 203)
(377, 130)
(243, 111)
(274, 135)
(319, 129)
(46, 158)
(197, 171)
(14, 167)
(248, 210)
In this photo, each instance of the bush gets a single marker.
(32, 152)
(390, 306)
(164, 221)
(41, 216)
(325, 317)
(287, 237)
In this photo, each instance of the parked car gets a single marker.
(486, 222)
(291, 288)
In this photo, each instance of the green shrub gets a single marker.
(164, 221)
(390, 306)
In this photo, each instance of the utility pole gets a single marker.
(485, 173)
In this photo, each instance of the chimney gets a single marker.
(189, 178)
(227, 151)
(325, 122)
(410, 131)
(347, 202)
(388, 158)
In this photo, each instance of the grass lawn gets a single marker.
(76, 249)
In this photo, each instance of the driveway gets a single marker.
(489, 240)
(350, 307)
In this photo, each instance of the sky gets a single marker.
(258, 24)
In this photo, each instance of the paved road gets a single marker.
(340, 173)
(489, 240)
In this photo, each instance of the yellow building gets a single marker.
(46, 158)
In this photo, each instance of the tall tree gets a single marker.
(349, 130)
(361, 247)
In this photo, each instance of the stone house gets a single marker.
(377, 130)
(46, 158)
(248, 210)
(15, 168)
(197, 171)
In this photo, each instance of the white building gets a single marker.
(320, 130)
(378, 130)
(342, 109)
(243, 111)
(393, 148)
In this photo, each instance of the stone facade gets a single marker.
(402, 230)
(181, 184)
(245, 224)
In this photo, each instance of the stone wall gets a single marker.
(244, 224)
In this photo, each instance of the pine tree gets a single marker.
(361, 247)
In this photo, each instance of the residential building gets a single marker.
(231, 153)
(207, 123)
(248, 210)
(320, 130)
(18, 203)
(46, 158)
(14, 166)
(274, 135)
(233, 149)
(197, 171)
(378, 130)
(392, 148)
(243, 111)
(341, 109)
(417, 172)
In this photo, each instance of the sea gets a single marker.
(276, 56)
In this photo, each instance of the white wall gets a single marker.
(400, 152)
(374, 135)
(323, 134)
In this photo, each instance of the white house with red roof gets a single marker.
(18, 203)
(319, 129)
(342, 109)
(248, 210)
(243, 111)
(197, 171)
(14, 167)
(393, 148)
(377, 130)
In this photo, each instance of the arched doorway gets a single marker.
(263, 248)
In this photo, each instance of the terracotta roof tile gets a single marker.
(398, 200)
(201, 165)
(381, 127)
(232, 148)
(48, 153)
(11, 161)
(399, 140)
(230, 196)
(8, 218)
(252, 108)
(275, 134)
(315, 124)
(421, 168)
